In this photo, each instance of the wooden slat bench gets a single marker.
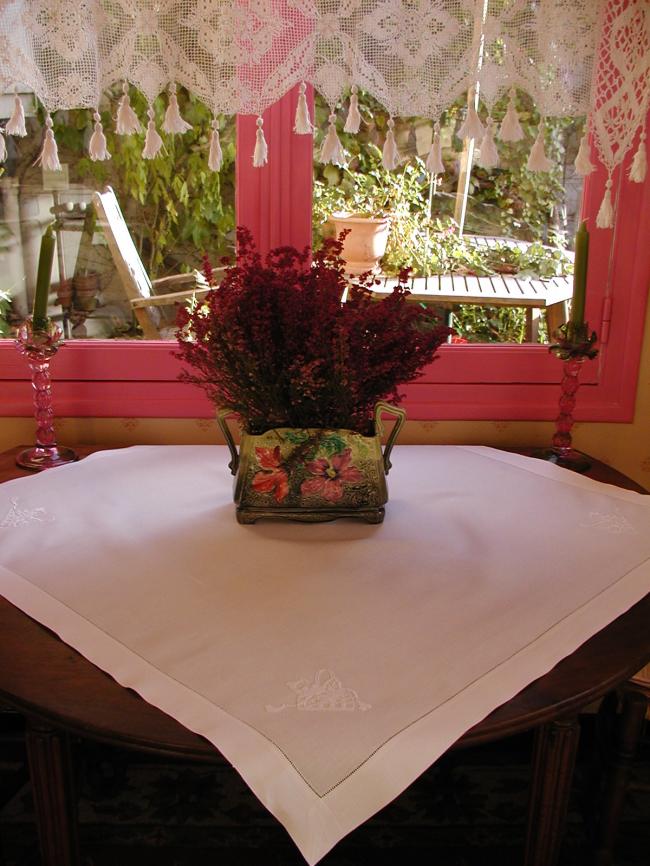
(534, 294)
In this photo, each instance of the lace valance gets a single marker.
(573, 57)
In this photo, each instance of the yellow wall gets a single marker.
(624, 446)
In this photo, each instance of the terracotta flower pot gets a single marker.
(64, 293)
(86, 288)
(365, 244)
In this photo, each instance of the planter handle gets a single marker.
(400, 415)
(222, 415)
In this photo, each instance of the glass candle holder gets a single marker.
(574, 345)
(39, 345)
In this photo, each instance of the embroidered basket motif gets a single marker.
(612, 522)
(17, 516)
(325, 694)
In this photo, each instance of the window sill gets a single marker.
(482, 382)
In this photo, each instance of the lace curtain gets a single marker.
(573, 57)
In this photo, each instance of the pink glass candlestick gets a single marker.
(561, 452)
(574, 346)
(39, 345)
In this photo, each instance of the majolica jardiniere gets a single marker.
(312, 475)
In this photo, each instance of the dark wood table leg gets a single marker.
(50, 768)
(554, 756)
(630, 726)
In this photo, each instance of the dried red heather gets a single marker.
(275, 343)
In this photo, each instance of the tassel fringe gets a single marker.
(3, 148)
(434, 163)
(97, 149)
(583, 164)
(127, 122)
(605, 218)
(353, 120)
(261, 152)
(215, 156)
(332, 149)
(471, 126)
(489, 155)
(639, 167)
(538, 161)
(49, 155)
(173, 121)
(390, 155)
(152, 141)
(16, 123)
(510, 129)
(302, 124)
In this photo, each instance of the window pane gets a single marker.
(501, 238)
(174, 207)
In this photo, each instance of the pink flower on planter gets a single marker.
(273, 478)
(330, 476)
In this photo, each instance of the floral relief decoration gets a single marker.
(314, 468)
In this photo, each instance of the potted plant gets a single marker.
(366, 205)
(360, 210)
(306, 374)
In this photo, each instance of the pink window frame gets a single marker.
(468, 382)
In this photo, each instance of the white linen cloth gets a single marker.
(330, 664)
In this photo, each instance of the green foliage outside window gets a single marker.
(175, 207)
(508, 201)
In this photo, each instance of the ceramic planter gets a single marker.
(311, 474)
(366, 242)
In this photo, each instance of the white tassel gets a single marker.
(489, 155)
(3, 148)
(510, 129)
(127, 121)
(49, 155)
(538, 161)
(390, 155)
(332, 149)
(471, 126)
(261, 152)
(215, 157)
(434, 164)
(302, 124)
(605, 218)
(173, 121)
(583, 164)
(639, 165)
(97, 149)
(16, 123)
(152, 141)
(353, 120)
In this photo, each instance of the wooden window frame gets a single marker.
(110, 378)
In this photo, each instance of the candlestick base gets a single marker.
(568, 458)
(39, 458)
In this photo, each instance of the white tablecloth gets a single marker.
(331, 664)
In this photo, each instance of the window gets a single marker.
(174, 206)
(498, 236)
(498, 381)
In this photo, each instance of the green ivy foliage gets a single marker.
(507, 201)
(176, 208)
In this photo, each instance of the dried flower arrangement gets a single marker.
(276, 344)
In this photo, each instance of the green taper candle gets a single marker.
(43, 279)
(580, 275)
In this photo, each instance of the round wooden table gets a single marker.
(61, 693)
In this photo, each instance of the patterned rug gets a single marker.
(469, 809)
